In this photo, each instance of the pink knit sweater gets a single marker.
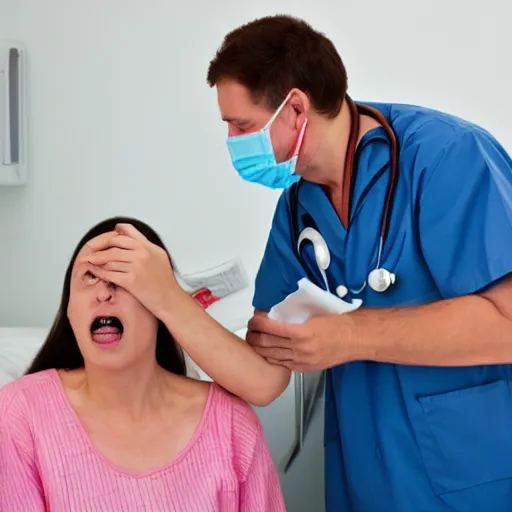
(48, 463)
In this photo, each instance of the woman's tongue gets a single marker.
(106, 334)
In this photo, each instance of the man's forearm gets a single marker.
(225, 357)
(465, 331)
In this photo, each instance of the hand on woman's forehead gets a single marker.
(98, 243)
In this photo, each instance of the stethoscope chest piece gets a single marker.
(380, 279)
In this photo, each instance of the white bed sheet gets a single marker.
(18, 346)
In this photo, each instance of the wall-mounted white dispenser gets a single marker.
(13, 126)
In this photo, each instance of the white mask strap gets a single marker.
(300, 138)
(276, 113)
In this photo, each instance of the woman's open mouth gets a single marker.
(106, 330)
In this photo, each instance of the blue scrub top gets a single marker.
(409, 438)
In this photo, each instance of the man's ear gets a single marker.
(301, 105)
(300, 101)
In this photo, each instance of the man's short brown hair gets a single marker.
(272, 55)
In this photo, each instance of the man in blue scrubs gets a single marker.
(419, 402)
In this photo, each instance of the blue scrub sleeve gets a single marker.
(465, 214)
(280, 269)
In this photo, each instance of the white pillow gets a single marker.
(18, 346)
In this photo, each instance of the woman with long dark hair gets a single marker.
(61, 349)
(106, 419)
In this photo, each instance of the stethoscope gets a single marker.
(379, 279)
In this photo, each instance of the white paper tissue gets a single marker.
(308, 301)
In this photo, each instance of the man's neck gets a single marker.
(328, 161)
(328, 165)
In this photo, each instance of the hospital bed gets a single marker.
(18, 346)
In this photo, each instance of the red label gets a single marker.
(204, 297)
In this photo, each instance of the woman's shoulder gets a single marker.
(239, 409)
(231, 416)
(236, 415)
(24, 390)
(239, 426)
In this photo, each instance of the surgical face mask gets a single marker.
(254, 159)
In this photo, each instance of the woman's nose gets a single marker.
(105, 292)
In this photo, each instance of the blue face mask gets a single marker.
(254, 159)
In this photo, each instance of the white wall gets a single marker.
(122, 121)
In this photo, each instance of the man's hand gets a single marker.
(313, 345)
(128, 259)
(464, 331)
